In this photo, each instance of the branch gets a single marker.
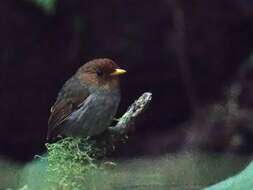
(128, 119)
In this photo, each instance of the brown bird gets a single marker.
(88, 101)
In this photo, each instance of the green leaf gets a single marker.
(242, 181)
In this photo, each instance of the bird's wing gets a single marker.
(70, 97)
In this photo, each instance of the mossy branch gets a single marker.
(129, 117)
(79, 163)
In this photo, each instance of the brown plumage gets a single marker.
(87, 101)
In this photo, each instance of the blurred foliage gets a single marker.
(72, 163)
(184, 171)
(47, 5)
(242, 181)
(9, 172)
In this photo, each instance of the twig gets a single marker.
(129, 117)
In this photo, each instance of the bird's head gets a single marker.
(100, 74)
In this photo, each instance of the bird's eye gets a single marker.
(99, 72)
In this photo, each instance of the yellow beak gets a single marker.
(118, 72)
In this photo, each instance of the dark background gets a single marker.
(194, 56)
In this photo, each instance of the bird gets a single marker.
(87, 102)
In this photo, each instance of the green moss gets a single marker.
(72, 164)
